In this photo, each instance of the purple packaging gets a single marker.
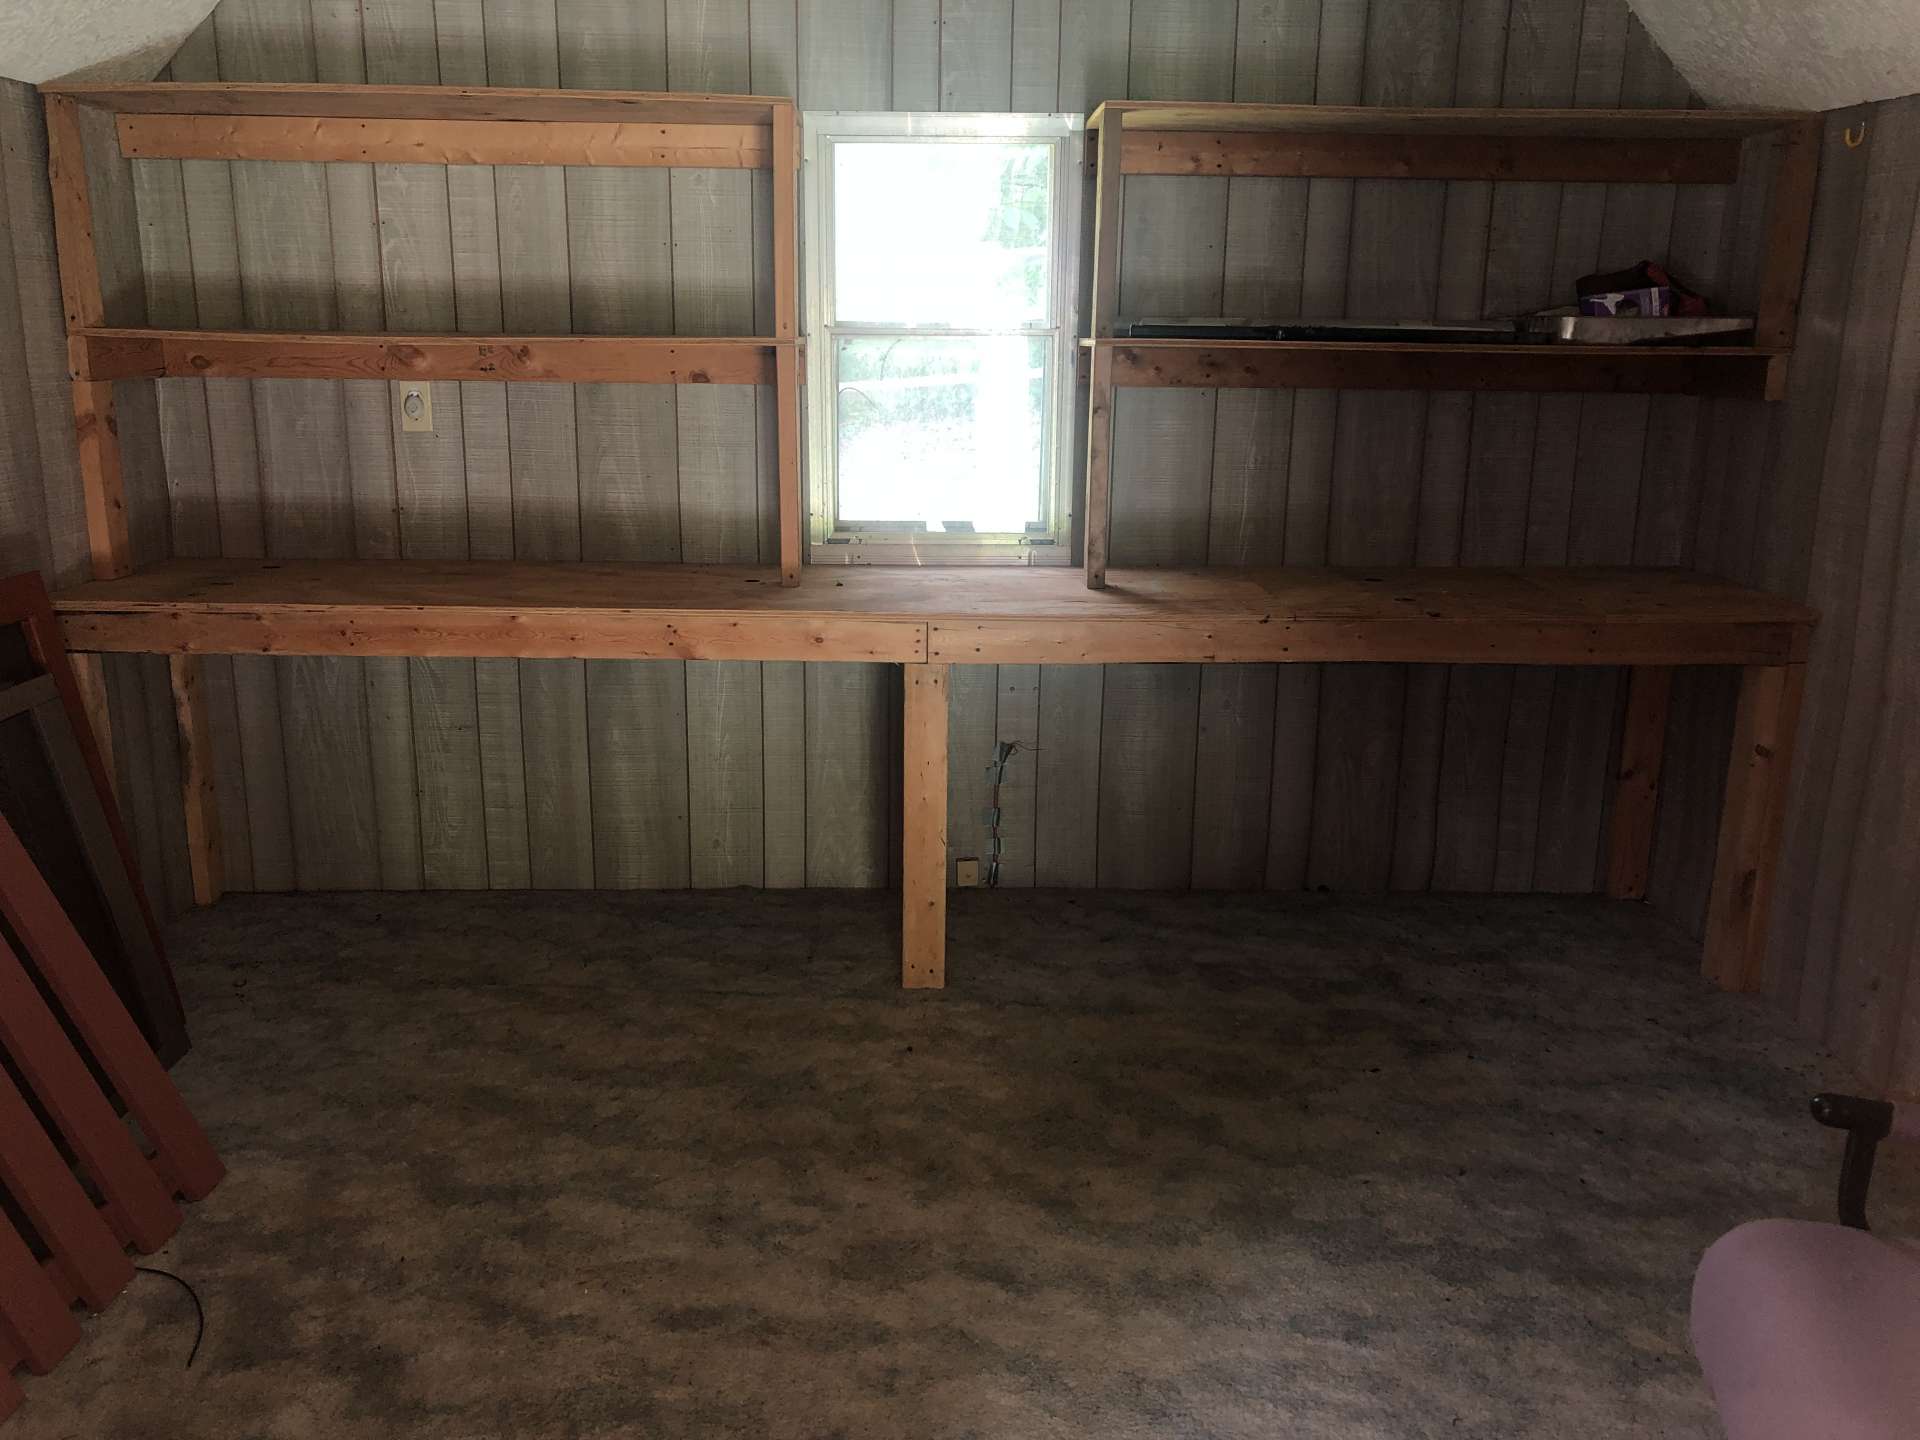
(1655, 300)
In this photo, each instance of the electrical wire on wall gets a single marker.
(997, 773)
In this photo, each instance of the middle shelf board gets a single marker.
(1734, 370)
(137, 354)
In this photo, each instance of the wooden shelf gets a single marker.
(414, 124)
(1576, 124)
(1387, 142)
(426, 102)
(102, 353)
(1555, 616)
(1359, 365)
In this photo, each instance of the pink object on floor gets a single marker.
(1810, 1332)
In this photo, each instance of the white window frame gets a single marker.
(829, 544)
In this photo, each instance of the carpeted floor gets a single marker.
(692, 1165)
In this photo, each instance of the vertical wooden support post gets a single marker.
(95, 430)
(90, 679)
(204, 856)
(1789, 222)
(1636, 781)
(786, 322)
(1106, 308)
(1751, 822)
(923, 859)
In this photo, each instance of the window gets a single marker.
(940, 288)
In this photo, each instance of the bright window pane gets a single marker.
(947, 432)
(942, 233)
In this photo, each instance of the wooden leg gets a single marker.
(1099, 465)
(196, 780)
(90, 678)
(923, 866)
(97, 436)
(793, 505)
(1636, 781)
(1751, 824)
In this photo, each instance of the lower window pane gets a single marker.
(947, 432)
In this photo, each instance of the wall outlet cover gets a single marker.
(966, 873)
(416, 407)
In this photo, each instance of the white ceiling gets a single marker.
(1734, 52)
(93, 39)
(1792, 54)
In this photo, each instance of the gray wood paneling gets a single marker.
(564, 774)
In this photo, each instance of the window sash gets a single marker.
(832, 540)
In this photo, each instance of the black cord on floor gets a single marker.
(199, 1313)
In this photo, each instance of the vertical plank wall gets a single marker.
(458, 773)
(1825, 503)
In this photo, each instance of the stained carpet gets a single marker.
(693, 1165)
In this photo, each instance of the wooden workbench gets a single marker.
(928, 620)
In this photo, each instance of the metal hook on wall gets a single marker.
(1854, 142)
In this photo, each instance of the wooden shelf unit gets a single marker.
(422, 125)
(925, 620)
(928, 620)
(1380, 142)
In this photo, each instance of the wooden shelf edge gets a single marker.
(421, 102)
(1547, 616)
(137, 353)
(1731, 370)
(1648, 124)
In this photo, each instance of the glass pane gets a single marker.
(934, 232)
(947, 432)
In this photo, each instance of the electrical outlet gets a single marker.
(416, 407)
(966, 873)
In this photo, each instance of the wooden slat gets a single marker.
(138, 1206)
(1751, 820)
(115, 1045)
(1428, 155)
(1636, 783)
(146, 971)
(138, 354)
(444, 142)
(923, 869)
(36, 1325)
(1599, 123)
(86, 1253)
(1351, 365)
(424, 102)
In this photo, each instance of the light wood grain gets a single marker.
(444, 142)
(923, 885)
(426, 102)
(1545, 122)
(1750, 824)
(1428, 155)
(119, 354)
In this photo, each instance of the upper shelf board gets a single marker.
(1391, 120)
(426, 102)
